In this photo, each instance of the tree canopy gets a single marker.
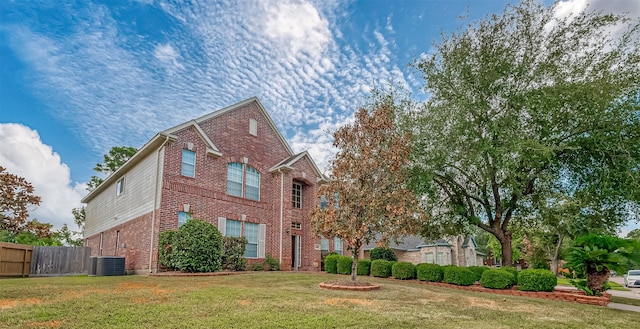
(16, 196)
(525, 106)
(116, 157)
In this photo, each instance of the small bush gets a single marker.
(380, 268)
(233, 255)
(429, 272)
(271, 264)
(403, 271)
(197, 247)
(364, 267)
(257, 267)
(331, 263)
(383, 253)
(513, 271)
(165, 244)
(460, 276)
(537, 280)
(496, 279)
(478, 270)
(344, 264)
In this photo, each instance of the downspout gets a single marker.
(155, 202)
(281, 208)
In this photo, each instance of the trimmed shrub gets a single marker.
(429, 272)
(331, 263)
(364, 267)
(165, 244)
(197, 247)
(478, 270)
(233, 253)
(383, 253)
(537, 280)
(496, 279)
(257, 267)
(344, 264)
(271, 264)
(460, 276)
(513, 271)
(380, 268)
(403, 271)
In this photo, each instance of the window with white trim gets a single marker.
(243, 181)
(296, 226)
(120, 186)
(234, 228)
(255, 234)
(188, 163)
(429, 258)
(183, 217)
(251, 233)
(337, 245)
(296, 195)
(324, 244)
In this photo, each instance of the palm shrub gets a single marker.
(596, 255)
(403, 271)
(429, 272)
(496, 279)
(381, 268)
(197, 247)
(383, 253)
(460, 276)
(344, 264)
(364, 267)
(331, 263)
(537, 280)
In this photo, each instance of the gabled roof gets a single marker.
(407, 243)
(436, 243)
(211, 148)
(287, 164)
(470, 240)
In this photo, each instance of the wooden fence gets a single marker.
(54, 261)
(15, 259)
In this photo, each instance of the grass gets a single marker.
(624, 300)
(277, 300)
(614, 285)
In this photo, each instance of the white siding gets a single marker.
(107, 210)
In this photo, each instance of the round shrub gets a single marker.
(331, 263)
(429, 272)
(537, 280)
(364, 267)
(496, 279)
(383, 253)
(460, 276)
(403, 271)
(344, 265)
(197, 247)
(478, 270)
(381, 268)
(513, 271)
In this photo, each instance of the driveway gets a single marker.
(634, 293)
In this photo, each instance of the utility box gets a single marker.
(93, 263)
(109, 266)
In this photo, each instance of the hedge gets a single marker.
(429, 272)
(364, 267)
(197, 247)
(478, 270)
(344, 264)
(233, 253)
(381, 268)
(496, 279)
(460, 276)
(513, 271)
(331, 263)
(537, 280)
(165, 243)
(403, 271)
(383, 253)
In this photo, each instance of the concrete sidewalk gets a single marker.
(633, 293)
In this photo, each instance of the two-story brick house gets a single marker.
(231, 167)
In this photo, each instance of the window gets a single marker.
(251, 233)
(234, 228)
(323, 202)
(324, 244)
(183, 217)
(296, 195)
(429, 258)
(120, 186)
(337, 245)
(439, 259)
(235, 180)
(188, 163)
(253, 127)
(296, 226)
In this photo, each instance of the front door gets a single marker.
(296, 247)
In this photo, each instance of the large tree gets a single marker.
(16, 196)
(367, 195)
(522, 102)
(116, 157)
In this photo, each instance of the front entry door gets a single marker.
(296, 247)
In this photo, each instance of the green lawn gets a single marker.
(614, 285)
(277, 300)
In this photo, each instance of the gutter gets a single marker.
(155, 203)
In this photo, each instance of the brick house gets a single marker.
(232, 168)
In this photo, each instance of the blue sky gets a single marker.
(79, 78)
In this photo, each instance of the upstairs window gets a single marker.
(253, 184)
(296, 195)
(234, 179)
(188, 163)
(120, 186)
(243, 181)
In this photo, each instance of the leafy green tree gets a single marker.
(113, 160)
(634, 234)
(523, 105)
(16, 196)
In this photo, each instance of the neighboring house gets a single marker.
(232, 168)
(457, 250)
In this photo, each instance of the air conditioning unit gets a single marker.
(93, 262)
(109, 266)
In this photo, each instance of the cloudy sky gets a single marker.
(77, 79)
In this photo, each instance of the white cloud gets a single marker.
(22, 153)
(166, 54)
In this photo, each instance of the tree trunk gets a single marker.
(596, 280)
(556, 254)
(507, 252)
(354, 265)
